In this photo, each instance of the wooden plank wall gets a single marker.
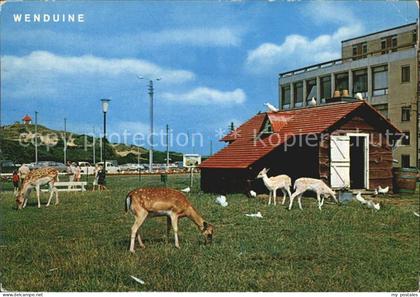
(380, 153)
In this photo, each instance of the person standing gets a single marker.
(101, 179)
(15, 180)
(95, 180)
(70, 171)
(77, 172)
(23, 172)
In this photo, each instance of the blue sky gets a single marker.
(219, 61)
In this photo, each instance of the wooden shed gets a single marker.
(346, 143)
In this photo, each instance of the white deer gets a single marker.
(152, 202)
(274, 183)
(35, 179)
(304, 184)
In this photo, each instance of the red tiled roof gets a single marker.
(27, 118)
(246, 148)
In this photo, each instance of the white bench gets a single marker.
(69, 186)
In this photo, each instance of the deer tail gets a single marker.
(127, 203)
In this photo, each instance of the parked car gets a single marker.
(8, 166)
(86, 167)
(110, 167)
(131, 167)
(41, 164)
(57, 165)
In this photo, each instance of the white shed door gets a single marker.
(340, 161)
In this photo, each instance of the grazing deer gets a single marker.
(35, 179)
(152, 202)
(304, 184)
(274, 183)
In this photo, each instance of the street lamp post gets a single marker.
(93, 147)
(105, 107)
(151, 126)
(167, 147)
(36, 137)
(65, 141)
(151, 93)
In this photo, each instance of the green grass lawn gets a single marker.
(82, 245)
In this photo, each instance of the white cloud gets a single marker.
(43, 63)
(298, 50)
(205, 96)
(217, 37)
(138, 41)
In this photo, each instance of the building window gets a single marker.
(383, 109)
(405, 113)
(380, 80)
(342, 81)
(405, 161)
(311, 89)
(285, 97)
(360, 82)
(354, 50)
(325, 87)
(405, 73)
(394, 43)
(267, 128)
(298, 94)
(406, 138)
(383, 44)
(414, 36)
(359, 50)
(389, 43)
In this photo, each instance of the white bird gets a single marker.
(373, 205)
(360, 198)
(2, 289)
(252, 193)
(255, 215)
(271, 107)
(221, 200)
(186, 190)
(375, 193)
(137, 280)
(359, 96)
(416, 214)
(383, 191)
(312, 102)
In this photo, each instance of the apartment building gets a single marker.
(384, 67)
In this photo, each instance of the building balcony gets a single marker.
(396, 52)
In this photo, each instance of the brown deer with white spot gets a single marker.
(35, 179)
(151, 202)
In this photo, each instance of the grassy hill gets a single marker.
(18, 144)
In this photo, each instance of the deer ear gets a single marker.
(267, 170)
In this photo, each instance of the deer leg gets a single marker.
(292, 197)
(174, 221)
(56, 195)
(284, 196)
(25, 197)
(269, 197)
(168, 226)
(37, 195)
(300, 201)
(288, 192)
(275, 196)
(140, 217)
(51, 194)
(320, 202)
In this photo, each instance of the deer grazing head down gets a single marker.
(20, 199)
(207, 231)
(263, 173)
